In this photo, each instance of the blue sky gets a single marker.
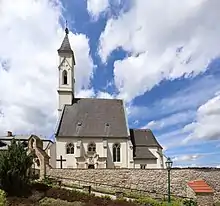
(152, 101)
(164, 64)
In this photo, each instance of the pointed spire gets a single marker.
(65, 46)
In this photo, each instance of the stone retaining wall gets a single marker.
(149, 179)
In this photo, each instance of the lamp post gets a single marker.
(169, 164)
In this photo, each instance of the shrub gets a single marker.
(41, 187)
(148, 200)
(189, 203)
(2, 198)
(14, 166)
(57, 202)
(107, 197)
(49, 181)
(88, 199)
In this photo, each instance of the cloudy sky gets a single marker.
(160, 57)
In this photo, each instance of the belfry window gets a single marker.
(64, 77)
(116, 153)
(92, 147)
(70, 148)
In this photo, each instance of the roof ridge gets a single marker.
(140, 129)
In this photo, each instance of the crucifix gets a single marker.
(61, 160)
(67, 30)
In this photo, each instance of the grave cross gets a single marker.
(61, 160)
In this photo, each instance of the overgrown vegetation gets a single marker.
(14, 166)
(140, 198)
(58, 202)
(54, 195)
(3, 200)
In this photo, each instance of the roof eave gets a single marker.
(59, 122)
(60, 51)
(145, 158)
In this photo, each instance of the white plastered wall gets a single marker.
(149, 163)
(70, 158)
(61, 151)
(66, 91)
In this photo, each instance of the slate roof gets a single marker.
(5, 140)
(89, 117)
(143, 153)
(142, 139)
(65, 46)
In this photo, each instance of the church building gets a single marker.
(93, 133)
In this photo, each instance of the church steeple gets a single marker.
(66, 73)
(65, 46)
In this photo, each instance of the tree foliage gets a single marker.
(14, 166)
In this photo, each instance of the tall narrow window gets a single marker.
(70, 148)
(92, 147)
(64, 77)
(116, 153)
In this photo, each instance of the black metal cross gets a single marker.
(61, 160)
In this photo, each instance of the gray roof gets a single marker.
(65, 46)
(143, 137)
(5, 140)
(22, 137)
(143, 153)
(89, 117)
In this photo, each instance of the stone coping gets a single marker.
(175, 168)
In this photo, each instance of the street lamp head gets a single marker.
(169, 163)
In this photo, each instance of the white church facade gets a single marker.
(93, 133)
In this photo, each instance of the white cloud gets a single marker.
(200, 159)
(96, 7)
(30, 35)
(104, 95)
(184, 158)
(182, 100)
(172, 120)
(206, 125)
(168, 43)
(86, 93)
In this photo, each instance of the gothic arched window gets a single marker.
(92, 147)
(116, 152)
(64, 77)
(70, 148)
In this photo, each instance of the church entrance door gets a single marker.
(91, 166)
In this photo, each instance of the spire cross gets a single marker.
(67, 30)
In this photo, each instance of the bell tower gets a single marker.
(66, 73)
